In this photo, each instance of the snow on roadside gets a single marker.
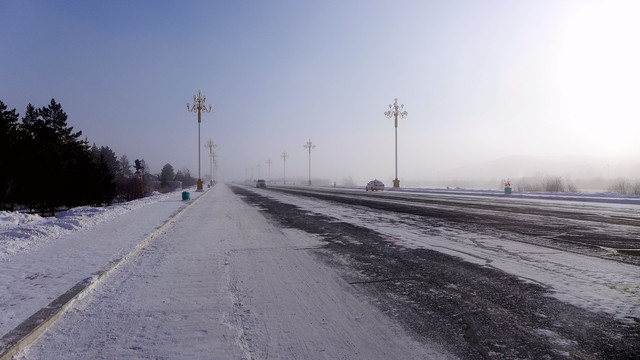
(10, 219)
(57, 253)
(25, 232)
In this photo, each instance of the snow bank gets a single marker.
(24, 232)
(12, 219)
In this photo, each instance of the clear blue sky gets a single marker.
(480, 79)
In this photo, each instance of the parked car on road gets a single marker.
(261, 184)
(374, 185)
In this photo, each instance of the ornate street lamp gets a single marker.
(211, 145)
(284, 161)
(394, 111)
(199, 106)
(269, 170)
(309, 145)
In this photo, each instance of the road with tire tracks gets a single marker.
(475, 310)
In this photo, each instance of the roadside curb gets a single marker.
(29, 330)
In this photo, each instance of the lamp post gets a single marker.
(284, 161)
(309, 145)
(394, 111)
(211, 146)
(199, 106)
(269, 170)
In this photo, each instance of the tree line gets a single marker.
(45, 165)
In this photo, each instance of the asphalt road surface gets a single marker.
(473, 311)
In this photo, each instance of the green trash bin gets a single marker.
(186, 195)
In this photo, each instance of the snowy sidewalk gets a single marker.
(223, 283)
(32, 278)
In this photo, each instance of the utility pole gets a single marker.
(199, 106)
(309, 145)
(211, 146)
(394, 111)
(284, 161)
(269, 170)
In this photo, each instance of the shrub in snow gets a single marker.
(553, 184)
(624, 186)
(547, 184)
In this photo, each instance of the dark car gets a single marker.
(261, 184)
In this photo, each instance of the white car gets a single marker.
(374, 185)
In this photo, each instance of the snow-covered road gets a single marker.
(311, 278)
(496, 290)
(593, 283)
(224, 283)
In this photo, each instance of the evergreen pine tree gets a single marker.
(30, 117)
(106, 181)
(125, 167)
(166, 175)
(111, 160)
(55, 119)
(51, 167)
(29, 191)
(62, 162)
(10, 147)
(106, 170)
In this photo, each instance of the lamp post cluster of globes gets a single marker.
(309, 146)
(199, 105)
(394, 112)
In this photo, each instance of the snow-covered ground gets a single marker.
(224, 283)
(21, 232)
(41, 258)
(598, 197)
(590, 282)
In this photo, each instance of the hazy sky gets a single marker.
(481, 80)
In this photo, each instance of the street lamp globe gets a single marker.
(394, 112)
(199, 106)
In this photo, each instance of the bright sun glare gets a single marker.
(599, 75)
